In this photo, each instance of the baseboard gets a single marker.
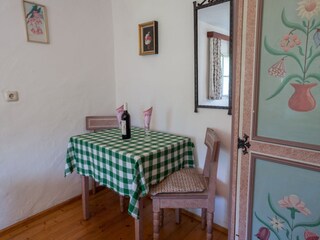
(32, 218)
(198, 218)
(38, 215)
(76, 198)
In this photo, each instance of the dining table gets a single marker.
(129, 167)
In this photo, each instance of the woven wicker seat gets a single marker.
(185, 180)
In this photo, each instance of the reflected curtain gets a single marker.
(215, 73)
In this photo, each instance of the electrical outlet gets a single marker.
(11, 96)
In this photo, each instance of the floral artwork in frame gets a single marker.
(36, 22)
(285, 200)
(148, 38)
(287, 72)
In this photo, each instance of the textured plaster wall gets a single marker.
(91, 66)
(59, 84)
(166, 81)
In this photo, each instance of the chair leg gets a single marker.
(156, 224)
(93, 186)
(161, 217)
(85, 197)
(203, 218)
(142, 202)
(177, 210)
(121, 203)
(209, 225)
(156, 218)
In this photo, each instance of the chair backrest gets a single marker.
(211, 162)
(95, 123)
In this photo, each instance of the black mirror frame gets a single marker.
(196, 7)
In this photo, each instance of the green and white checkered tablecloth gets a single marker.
(130, 166)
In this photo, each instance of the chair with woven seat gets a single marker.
(189, 188)
(96, 123)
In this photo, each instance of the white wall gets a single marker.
(166, 81)
(59, 84)
(73, 76)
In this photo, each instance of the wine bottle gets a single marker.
(125, 123)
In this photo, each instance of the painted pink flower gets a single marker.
(39, 31)
(36, 14)
(308, 235)
(284, 44)
(296, 39)
(298, 42)
(286, 37)
(263, 233)
(294, 204)
(289, 41)
(286, 49)
(291, 44)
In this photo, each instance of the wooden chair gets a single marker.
(95, 123)
(190, 199)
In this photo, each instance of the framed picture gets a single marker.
(35, 16)
(284, 202)
(287, 94)
(148, 38)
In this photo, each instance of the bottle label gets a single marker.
(123, 127)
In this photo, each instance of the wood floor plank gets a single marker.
(106, 222)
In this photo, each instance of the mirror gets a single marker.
(213, 54)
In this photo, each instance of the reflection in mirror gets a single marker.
(213, 54)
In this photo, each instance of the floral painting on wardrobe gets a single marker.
(36, 22)
(286, 202)
(288, 70)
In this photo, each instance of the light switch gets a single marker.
(11, 96)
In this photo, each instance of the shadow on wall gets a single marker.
(168, 119)
(222, 190)
(19, 205)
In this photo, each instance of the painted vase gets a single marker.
(302, 99)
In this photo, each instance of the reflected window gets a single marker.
(225, 60)
(212, 28)
(218, 70)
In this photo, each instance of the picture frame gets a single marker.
(36, 21)
(287, 82)
(148, 38)
(290, 182)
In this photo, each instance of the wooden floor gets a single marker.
(106, 222)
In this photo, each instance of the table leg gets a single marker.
(138, 223)
(85, 197)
